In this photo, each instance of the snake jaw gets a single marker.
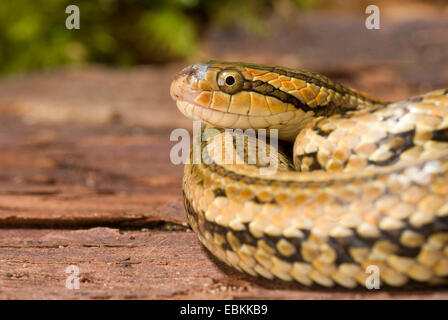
(188, 109)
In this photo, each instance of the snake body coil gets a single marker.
(365, 184)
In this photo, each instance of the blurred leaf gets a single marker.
(158, 29)
(119, 32)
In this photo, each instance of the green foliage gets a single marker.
(118, 32)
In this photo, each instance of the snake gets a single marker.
(360, 185)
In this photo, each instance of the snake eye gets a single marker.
(230, 81)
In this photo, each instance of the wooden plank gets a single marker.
(134, 97)
(151, 264)
(72, 176)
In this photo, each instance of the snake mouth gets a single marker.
(230, 120)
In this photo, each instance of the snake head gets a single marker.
(239, 95)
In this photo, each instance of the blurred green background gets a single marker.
(121, 32)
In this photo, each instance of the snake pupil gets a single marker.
(230, 80)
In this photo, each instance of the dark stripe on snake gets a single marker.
(310, 77)
(440, 135)
(408, 142)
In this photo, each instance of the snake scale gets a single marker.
(360, 181)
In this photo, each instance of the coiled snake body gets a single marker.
(366, 182)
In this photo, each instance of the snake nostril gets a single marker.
(187, 71)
